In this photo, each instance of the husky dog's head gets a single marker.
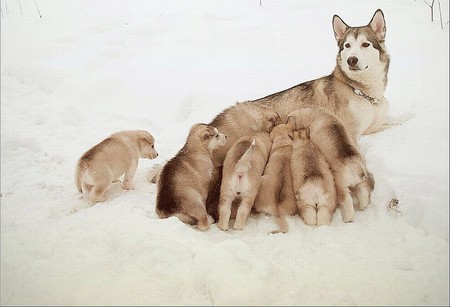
(146, 145)
(361, 49)
(208, 135)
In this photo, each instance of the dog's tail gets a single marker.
(79, 175)
(243, 164)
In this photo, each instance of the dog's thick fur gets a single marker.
(242, 171)
(353, 92)
(184, 181)
(276, 193)
(335, 92)
(104, 163)
(312, 180)
(335, 144)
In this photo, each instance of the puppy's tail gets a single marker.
(79, 175)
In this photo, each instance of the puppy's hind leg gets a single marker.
(363, 191)
(346, 203)
(281, 222)
(225, 202)
(97, 193)
(242, 213)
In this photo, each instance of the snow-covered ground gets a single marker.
(88, 69)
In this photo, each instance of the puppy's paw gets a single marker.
(128, 186)
(223, 225)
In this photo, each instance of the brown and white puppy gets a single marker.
(276, 193)
(184, 181)
(104, 163)
(313, 181)
(243, 119)
(335, 144)
(242, 170)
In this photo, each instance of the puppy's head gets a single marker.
(208, 135)
(303, 133)
(146, 145)
(280, 130)
(270, 119)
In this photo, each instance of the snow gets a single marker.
(88, 69)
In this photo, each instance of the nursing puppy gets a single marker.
(276, 193)
(335, 144)
(243, 119)
(104, 163)
(184, 181)
(242, 170)
(312, 180)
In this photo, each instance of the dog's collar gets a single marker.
(372, 100)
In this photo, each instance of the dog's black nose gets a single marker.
(352, 61)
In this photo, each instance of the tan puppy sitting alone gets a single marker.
(313, 181)
(115, 156)
(242, 170)
(184, 181)
(276, 193)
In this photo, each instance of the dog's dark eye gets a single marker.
(217, 136)
(347, 45)
(153, 146)
(365, 45)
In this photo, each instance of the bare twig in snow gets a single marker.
(40, 16)
(431, 8)
(21, 12)
(440, 14)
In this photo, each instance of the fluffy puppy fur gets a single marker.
(333, 141)
(242, 170)
(313, 181)
(184, 181)
(104, 163)
(276, 193)
(243, 119)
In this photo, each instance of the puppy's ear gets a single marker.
(339, 28)
(378, 25)
(145, 138)
(291, 135)
(290, 122)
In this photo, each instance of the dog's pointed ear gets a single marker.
(378, 24)
(339, 28)
(275, 120)
(290, 122)
(291, 135)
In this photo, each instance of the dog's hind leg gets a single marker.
(97, 193)
(363, 190)
(242, 213)
(226, 200)
(281, 222)
(323, 215)
(346, 202)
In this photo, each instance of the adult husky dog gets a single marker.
(353, 91)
